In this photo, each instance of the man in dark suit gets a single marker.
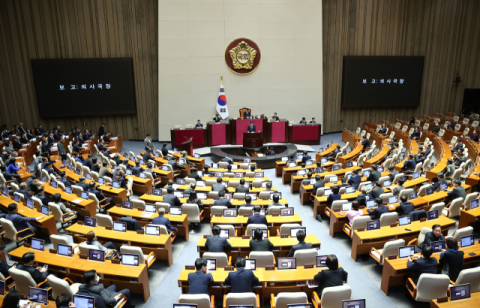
(21, 129)
(170, 198)
(474, 136)
(219, 186)
(458, 146)
(453, 257)
(252, 128)
(223, 201)
(393, 173)
(76, 146)
(82, 184)
(32, 184)
(305, 157)
(39, 274)
(457, 192)
(405, 207)
(275, 117)
(137, 169)
(365, 143)
(198, 125)
(241, 188)
(410, 164)
(64, 179)
(247, 113)
(436, 129)
(88, 162)
(160, 220)
(441, 180)
(416, 134)
(4, 267)
(194, 175)
(301, 244)
(148, 156)
(23, 190)
(24, 139)
(318, 184)
(312, 121)
(362, 198)
(428, 150)
(164, 150)
(120, 178)
(331, 276)
(459, 159)
(104, 297)
(377, 191)
(257, 218)
(20, 222)
(95, 166)
(375, 175)
(216, 243)
(173, 162)
(379, 211)
(303, 121)
(422, 265)
(106, 139)
(46, 148)
(242, 280)
(355, 178)
(383, 129)
(101, 130)
(41, 195)
(199, 281)
(98, 194)
(227, 159)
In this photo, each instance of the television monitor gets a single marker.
(380, 169)
(81, 301)
(229, 196)
(202, 195)
(143, 175)
(405, 251)
(119, 226)
(89, 221)
(432, 214)
(293, 231)
(38, 295)
(16, 197)
(387, 183)
(322, 261)
(152, 230)
(175, 210)
(437, 246)
(156, 192)
(371, 203)
(327, 191)
(412, 195)
(373, 225)
(474, 204)
(196, 155)
(253, 196)
(467, 240)
(178, 194)
(429, 191)
(404, 220)
(239, 175)
(96, 255)
(150, 208)
(366, 173)
(68, 190)
(101, 181)
(130, 259)
(323, 160)
(286, 263)
(353, 303)
(259, 175)
(333, 179)
(461, 291)
(127, 205)
(443, 186)
(189, 306)
(230, 212)
(64, 250)
(335, 167)
(54, 184)
(180, 181)
(346, 206)
(181, 161)
(37, 244)
(287, 211)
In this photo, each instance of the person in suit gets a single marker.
(120, 178)
(104, 170)
(365, 143)
(170, 198)
(248, 202)
(312, 121)
(101, 130)
(192, 199)
(460, 159)
(219, 186)
(451, 126)
(173, 162)
(105, 139)
(20, 222)
(318, 184)
(423, 265)
(457, 192)
(453, 257)
(148, 156)
(332, 276)
(82, 184)
(397, 189)
(39, 274)
(194, 175)
(416, 134)
(362, 197)
(379, 211)
(412, 121)
(428, 151)
(137, 169)
(104, 297)
(161, 220)
(305, 157)
(148, 143)
(199, 281)
(216, 243)
(247, 114)
(258, 243)
(458, 145)
(77, 157)
(301, 244)
(405, 207)
(434, 236)
(450, 168)
(21, 129)
(275, 202)
(257, 218)
(164, 150)
(101, 197)
(227, 159)
(436, 129)
(23, 139)
(303, 121)
(217, 118)
(222, 201)
(9, 148)
(16, 143)
(76, 146)
(32, 184)
(252, 128)
(241, 188)
(375, 175)
(41, 195)
(335, 195)
(474, 136)
(241, 280)
(64, 301)
(23, 190)
(275, 117)
(9, 176)
(88, 162)
(355, 178)
(117, 159)
(410, 164)
(199, 124)
(383, 129)
(440, 180)
(95, 166)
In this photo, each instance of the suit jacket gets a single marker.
(165, 222)
(262, 245)
(32, 185)
(428, 151)
(356, 179)
(252, 128)
(257, 219)
(36, 274)
(147, 156)
(198, 125)
(241, 189)
(83, 185)
(330, 278)
(376, 192)
(241, 281)
(457, 192)
(25, 193)
(103, 297)
(198, 282)
(171, 199)
(221, 202)
(299, 246)
(4, 267)
(247, 114)
(436, 129)
(383, 130)
(397, 190)
(405, 208)
(415, 134)
(422, 265)
(376, 213)
(474, 137)
(103, 172)
(194, 176)
(429, 238)
(333, 197)
(164, 151)
(374, 176)
(96, 167)
(217, 244)
(454, 259)
(458, 147)
(137, 170)
(305, 158)
(409, 165)
(218, 187)
(44, 199)
(366, 144)
(101, 131)
(88, 163)
(148, 143)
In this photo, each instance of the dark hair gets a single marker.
(200, 262)
(275, 198)
(435, 226)
(403, 198)
(378, 184)
(440, 175)
(401, 182)
(28, 257)
(89, 276)
(355, 205)
(391, 167)
(11, 299)
(40, 189)
(269, 184)
(317, 178)
(56, 197)
(378, 201)
(335, 189)
(374, 167)
(256, 208)
(242, 181)
(216, 230)
(240, 262)
(427, 251)
(300, 235)
(221, 193)
(257, 234)
(90, 236)
(332, 262)
(170, 190)
(219, 180)
(451, 243)
(248, 199)
(252, 167)
(456, 181)
(91, 184)
(12, 207)
(63, 300)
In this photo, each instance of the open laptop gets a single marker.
(151, 208)
(202, 195)
(230, 213)
(346, 206)
(309, 162)
(412, 195)
(404, 251)
(180, 182)
(38, 244)
(276, 193)
(224, 233)
(82, 301)
(437, 246)
(373, 225)
(349, 190)
(380, 169)
(461, 291)
(127, 205)
(429, 191)
(16, 197)
(286, 263)
(370, 204)
(101, 181)
(415, 175)
(251, 264)
(322, 261)
(84, 195)
(327, 191)
(319, 170)
(467, 240)
(89, 221)
(179, 194)
(45, 210)
(387, 183)
(335, 167)
(54, 184)
(288, 211)
(432, 214)
(175, 210)
(443, 186)
(323, 160)
(152, 230)
(156, 192)
(253, 196)
(96, 255)
(212, 264)
(474, 204)
(301, 172)
(355, 303)
(366, 173)
(333, 179)
(259, 175)
(65, 250)
(119, 226)
(38, 295)
(369, 186)
(293, 231)
(404, 220)
(392, 200)
(130, 259)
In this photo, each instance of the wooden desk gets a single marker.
(84, 207)
(279, 165)
(468, 218)
(464, 303)
(50, 304)
(240, 222)
(328, 151)
(363, 241)
(351, 156)
(443, 153)
(178, 221)
(47, 223)
(395, 271)
(296, 180)
(160, 245)
(134, 278)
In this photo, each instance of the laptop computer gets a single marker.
(355, 303)
(230, 213)
(287, 211)
(84, 195)
(38, 295)
(65, 250)
(387, 183)
(37, 244)
(371, 203)
(349, 190)
(392, 200)
(251, 264)
(443, 186)
(437, 246)
(404, 220)
(293, 231)
(16, 198)
(212, 264)
(156, 192)
(96, 255)
(175, 210)
(373, 225)
(335, 167)
(119, 226)
(404, 251)
(474, 204)
(467, 240)
(461, 291)
(89, 221)
(432, 214)
(127, 205)
(130, 259)
(346, 206)
(412, 195)
(286, 263)
(259, 175)
(224, 233)
(322, 261)
(415, 175)
(152, 230)
(81, 301)
(45, 210)
(333, 179)
(54, 184)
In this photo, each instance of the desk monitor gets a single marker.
(349, 190)
(130, 259)
(369, 186)
(432, 214)
(234, 167)
(346, 206)
(200, 173)
(224, 233)
(387, 183)
(415, 175)
(101, 181)
(89, 221)
(322, 261)
(262, 212)
(313, 181)
(349, 164)
(412, 195)
(366, 173)
(119, 226)
(292, 164)
(239, 175)
(65, 250)
(89, 176)
(309, 162)
(443, 186)
(152, 230)
(45, 210)
(81, 301)
(212, 264)
(2, 288)
(403, 178)
(30, 204)
(180, 182)
(181, 161)
(229, 196)
(251, 264)
(474, 204)
(284, 158)
(175, 210)
(37, 244)
(129, 172)
(264, 183)
(370, 204)
(301, 172)
(287, 211)
(16, 197)
(467, 240)
(293, 231)
(404, 251)
(179, 194)
(230, 213)
(276, 193)
(156, 192)
(127, 205)
(165, 168)
(437, 246)
(151, 208)
(404, 220)
(380, 169)
(214, 166)
(84, 195)
(429, 191)
(265, 234)
(190, 306)
(373, 225)
(200, 183)
(54, 184)
(38, 295)
(356, 303)
(202, 195)
(333, 179)
(327, 192)
(335, 168)
(323, 160)
(367, 197)
(461, 291)
(143, 175)
(247, 160)
(96, 255)
(392, 200)
(253, 196)
(259, 175)
(286, 263)
(300, 156)
(196, 155)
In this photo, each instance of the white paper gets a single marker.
(147, 214)
(77, 200)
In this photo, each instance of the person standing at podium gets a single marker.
(275, 117)
(199, 125)
(252, 128)
(216, 118)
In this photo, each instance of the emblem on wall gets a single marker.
(242, 56)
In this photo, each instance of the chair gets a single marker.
(275, 209)
(213, 195)
(471, 276)
(363, 184)
(306, 256)
(77, 190)
(241, 299)
(357, 222)
(23, 280)
(285, 228)
(223, 165)
(210, 182)
(138, 204)
(389, 249)
(12, 234)
(142, 259)
(193, 212)
(99, 206)
(468, 200)
(264, 195)
(233, 183)
(421, 236)
(457, 235)
(245, 210)
(422, 191)
(232, 232)
(60, 216)
(438, 206)
(62, 286)
(239, 196)
(428, 287)
(166, 206)
(250, 174)
(221, 257)
(251, 227)
(201, 300)
(217, 209)
(332, 297)
(130, 185)
(283, 299)
(104, 220)
(385, 197)
(336, 205)
(58, 239)
(405, 192)
(188, 181)
(263, 258)
(454, 209)
(388, 218)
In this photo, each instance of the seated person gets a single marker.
(362, 198)
(397, 189)
(104, 297)
(199, 281)
(199, 124)
(64, 301)
(275, 202)
(247, 113)
(366, 144)
(305, 157)
(474, 136)
(257, 218)
(375, 175)
(301, 244)
(379, 211)
(312, 121)
(440, 180)
(377, 191)
(257, 243)
(194, 175)
(435, 235)
(335, 195)
(248, 202)
(21, 222)
(222, 200)
(275, 117)
(241, 188)
(318, 184)
(405, 207)
(41, 195)
(241, 280)
(216, 243)
(100, 197)
(354, 212)
(423, 265)
(416, 134)
(192, 199)
(39, 274)
(383, 129)
(217, 118)
(457, 192)
(303, 121)
(56, 198)
(164, 221)
(227, 159)
(120, 178)
(170, 198)
(92, 240)
(219, 186)
(332, 276)
(452, 257)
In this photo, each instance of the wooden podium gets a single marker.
(252, 140)
(186, 146)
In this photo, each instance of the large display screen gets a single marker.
(381, 82)
(84, 87)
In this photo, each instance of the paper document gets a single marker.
(77, 200)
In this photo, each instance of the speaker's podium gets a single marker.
(252, 140)
(186, 146)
